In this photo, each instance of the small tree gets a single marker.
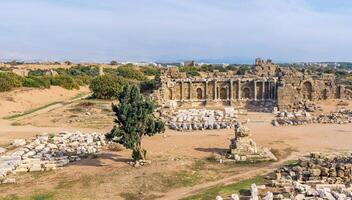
(113, 62)
(107, 86)
(134, 119)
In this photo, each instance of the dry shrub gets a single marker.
(343, 103)
(115, 147)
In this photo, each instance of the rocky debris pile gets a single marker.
(340, 117)
(292, 118)
(48, 152)
(139, 163)
(319, 176)
(243, 148)
(2, 150)
(302, 117)
(200, 119)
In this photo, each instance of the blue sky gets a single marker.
(148, 30)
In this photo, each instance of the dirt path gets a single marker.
(50, 107)
(189, 191)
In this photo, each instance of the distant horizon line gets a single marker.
(166, 61)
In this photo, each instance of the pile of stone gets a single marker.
(340, 117)
(201, 119)
(303, 117)
(48, 152)
(244, 149)
(320, 176)
(286, 118)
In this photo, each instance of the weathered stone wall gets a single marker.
(265, 83)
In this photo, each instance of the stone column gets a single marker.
(263, 90)
(190, 91)
(274, 90)
(231, 89)
(215, 90)
(270, 90)
(206, 90)
(255, 90)
(239, 89)
(182, 92)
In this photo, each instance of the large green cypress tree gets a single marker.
(134, 119)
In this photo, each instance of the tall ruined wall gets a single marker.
(265, 84)
(296, 90)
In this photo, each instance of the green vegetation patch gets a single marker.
(225, 190)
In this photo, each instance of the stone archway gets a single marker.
(223, 93)
(307, 90)
(170, 94)
(246, 93)
(199, 93)
(325, 94)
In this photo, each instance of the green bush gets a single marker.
(64, 81)
(242, 70)
(37, 72)
(107, 86)
(147, 86)
(36, 82)
(150, 71)
(128, 72)
(9, 80)
(83, 80)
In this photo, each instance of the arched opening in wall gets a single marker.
(199, 93)
(307, 90)
(170, 94)
(325, 94)
(247, 93)
(223, 93)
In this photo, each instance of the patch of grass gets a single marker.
(31, 111)
(10, 197)
(181, 179)
(78, 96)
(129, 196)
(43, 196)
(225, 190)
(211, 158)
(37, 175)
(165, 181)
(36, 196)
(136, 196)
(291, 163)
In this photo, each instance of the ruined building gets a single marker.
(265, 85)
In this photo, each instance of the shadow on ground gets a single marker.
(102, 159)
(212, 150)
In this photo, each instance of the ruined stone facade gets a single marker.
(266, 84)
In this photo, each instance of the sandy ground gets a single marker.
(109, 175)
(24, 99)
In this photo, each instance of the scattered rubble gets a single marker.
(303, 117)
(2, 150)
(319, 176)
(200, 119)
(243, 148)
(48, 152)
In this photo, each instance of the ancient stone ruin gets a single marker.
(265, 86)
(202, 119)
(319, 176)
(284, 118)
(48, 152)
(244, 149)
